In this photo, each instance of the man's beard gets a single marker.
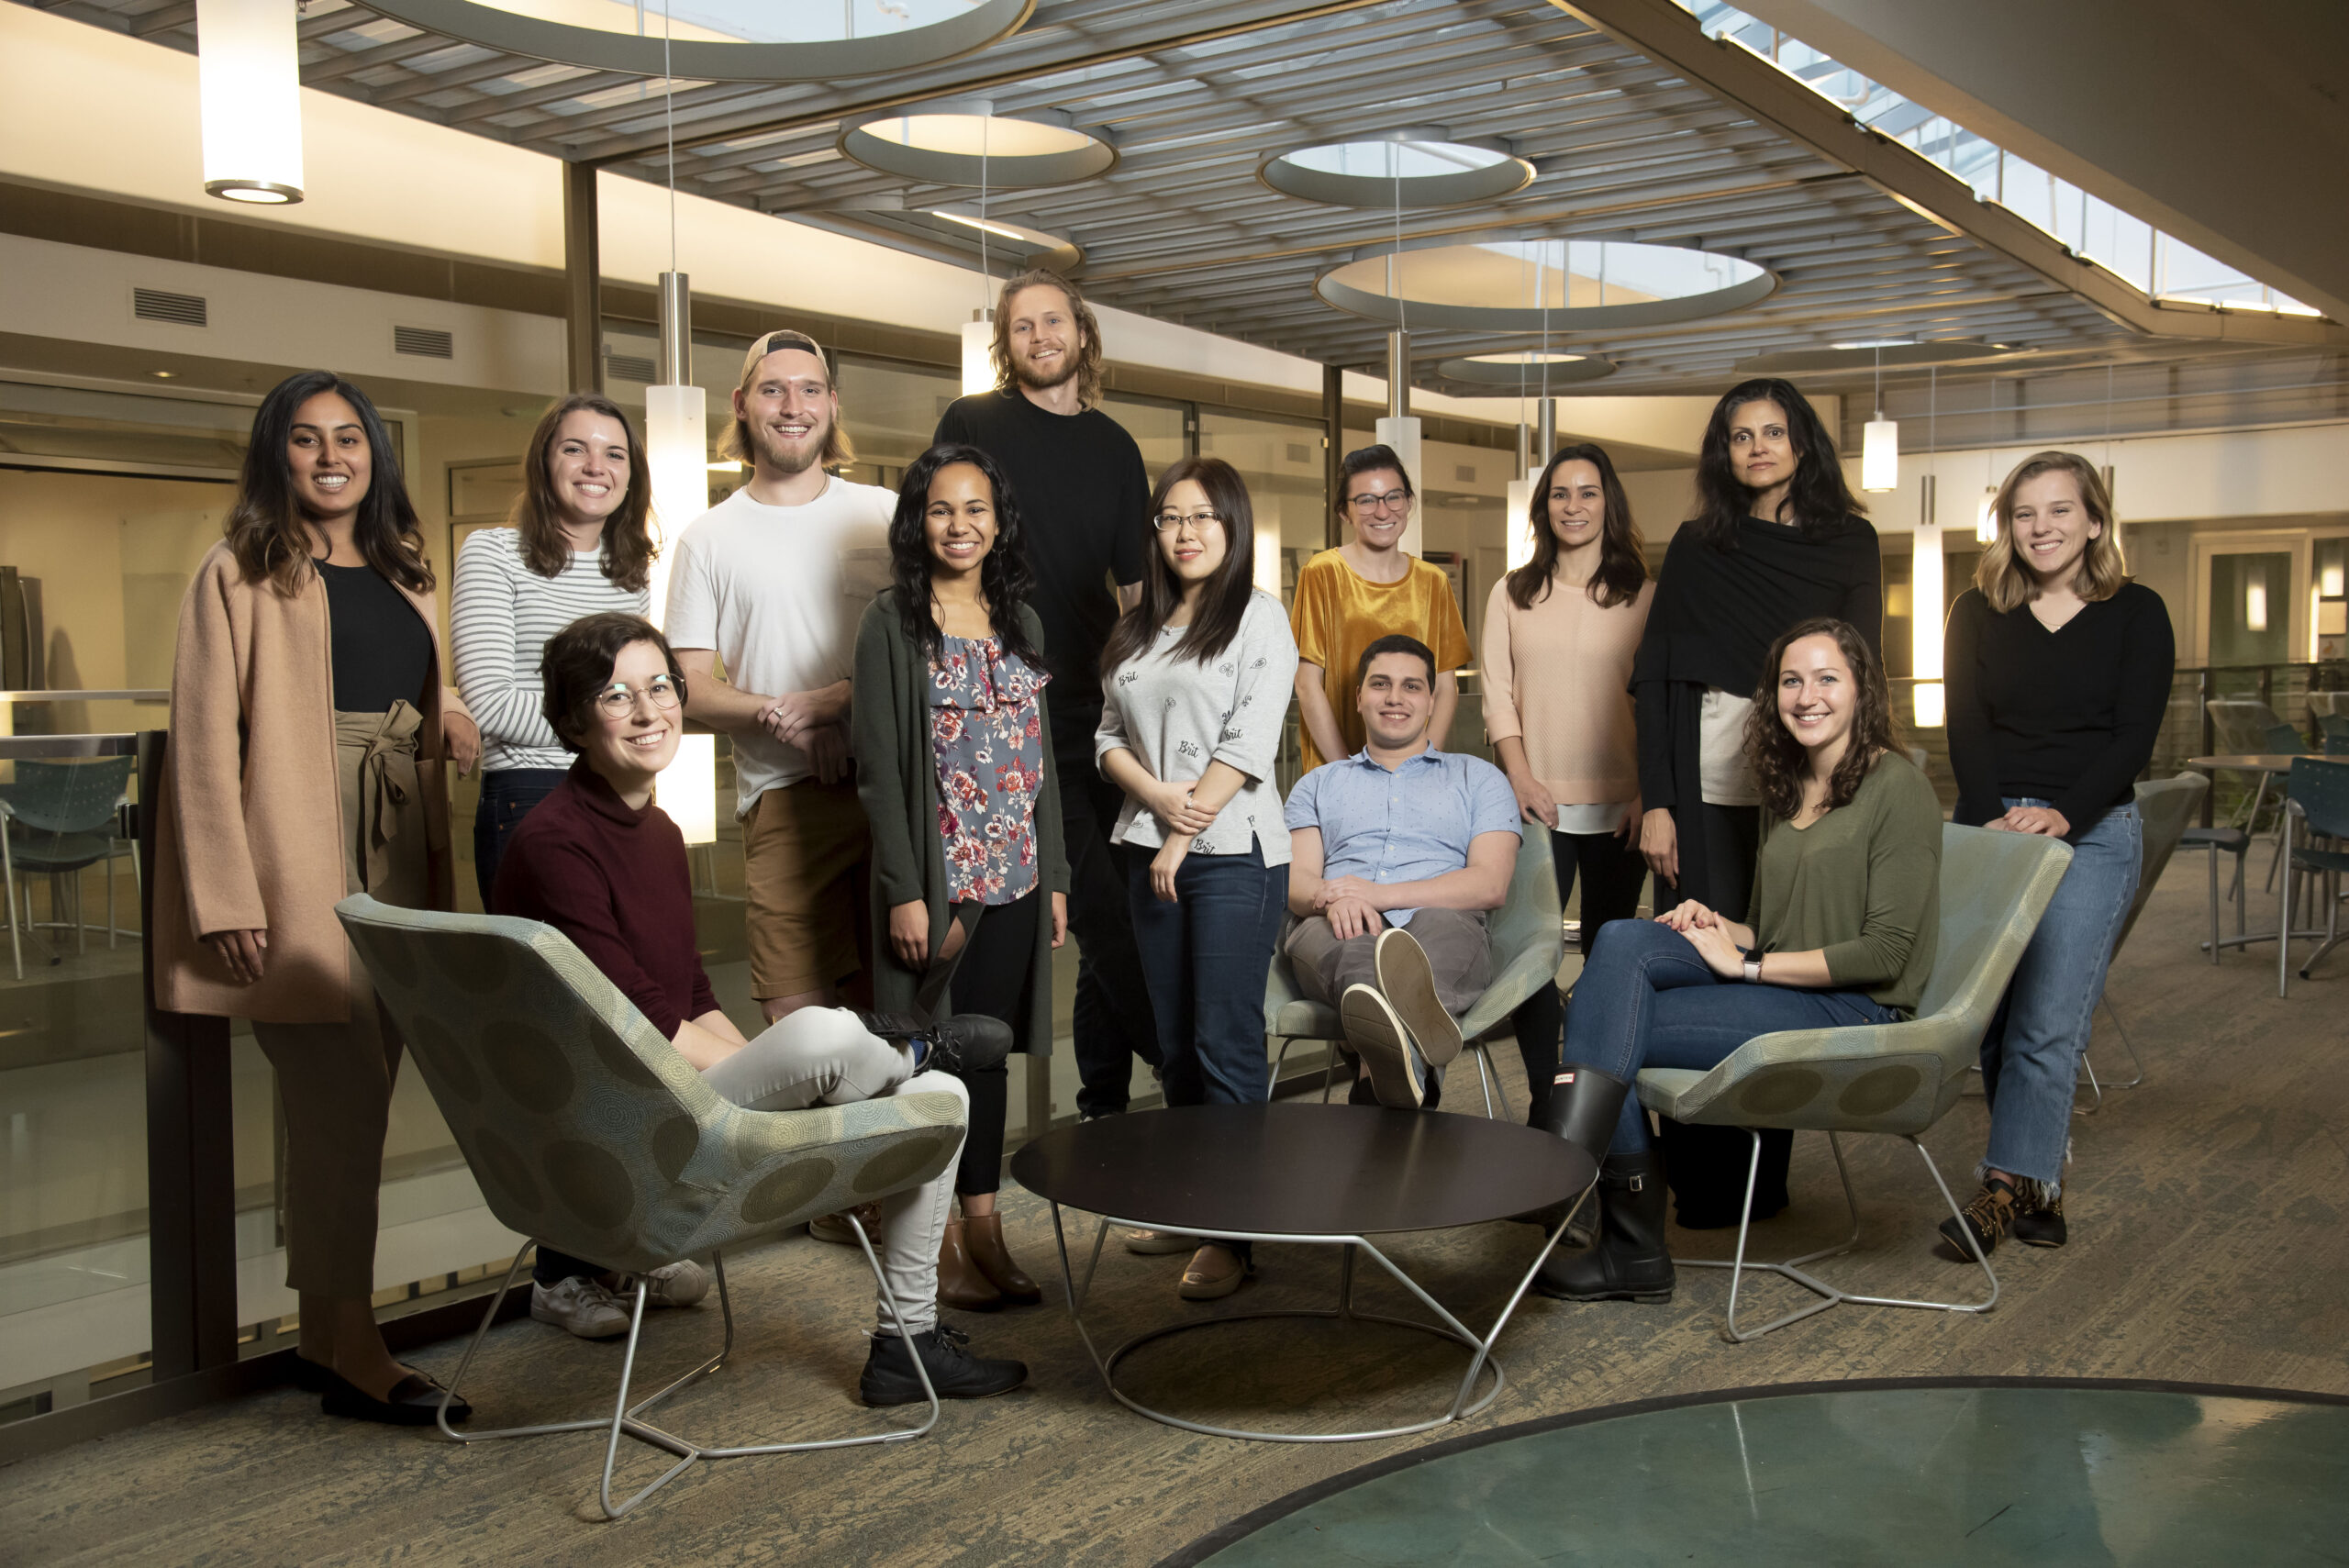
(1026, 375)
(775, 454)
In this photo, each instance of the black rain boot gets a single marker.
(1583, 1106)
(1629, 1262)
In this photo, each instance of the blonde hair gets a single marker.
(2007, 583)
(839, 450)
(1089, 355)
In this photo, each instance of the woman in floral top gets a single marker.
(947, 717)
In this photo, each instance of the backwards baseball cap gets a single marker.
(783, 338)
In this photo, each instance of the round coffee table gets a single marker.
(1333, 1175)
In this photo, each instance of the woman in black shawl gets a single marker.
(1780, 538)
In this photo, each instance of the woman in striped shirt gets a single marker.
(581, 543)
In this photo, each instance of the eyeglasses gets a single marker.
(618, 699)
(1393, 501)
(1203, 518)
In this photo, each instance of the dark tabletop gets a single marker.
(1301, 1169)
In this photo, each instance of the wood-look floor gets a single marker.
(2208, 1246)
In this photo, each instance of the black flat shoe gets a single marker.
(413, 1401)
(312, 1378)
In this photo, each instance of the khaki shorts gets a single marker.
(806, 856)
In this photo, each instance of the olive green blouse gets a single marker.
(1863, 884)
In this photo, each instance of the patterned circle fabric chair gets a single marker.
(1897, 1079)
(1528, 937)
(586, 1130)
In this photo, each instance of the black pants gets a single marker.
(1706, 1166)
(506, 796)
(1612, 873)
(1111, 1023)
(992, 978)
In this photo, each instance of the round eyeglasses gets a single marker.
(1392, 501)
(618, 699)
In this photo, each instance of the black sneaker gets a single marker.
(967, 1043)
(890, 1379)
(2039, 1219)
(1983, 1223)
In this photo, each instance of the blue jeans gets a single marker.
(2030, 1054)
(506, 796)
(1205, 957)
(1646, 1000)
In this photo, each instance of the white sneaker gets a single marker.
(580, 1303)
(680, 1283)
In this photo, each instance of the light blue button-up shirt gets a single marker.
(1404, 824)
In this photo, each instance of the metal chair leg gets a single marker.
(2126, 1044)
(2088, 1071)
(16, 921)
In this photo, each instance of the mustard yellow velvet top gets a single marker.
(1338, 612)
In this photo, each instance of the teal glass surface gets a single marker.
(2050, 1477)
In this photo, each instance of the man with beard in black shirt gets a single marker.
(1083, 495)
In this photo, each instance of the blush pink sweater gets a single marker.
(1558, 677)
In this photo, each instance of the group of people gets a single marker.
(1030, 695)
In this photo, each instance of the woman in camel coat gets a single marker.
(309, 728)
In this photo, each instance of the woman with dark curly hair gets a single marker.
(969, 880)
(1846, 905)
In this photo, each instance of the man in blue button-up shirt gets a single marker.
(1395, 855)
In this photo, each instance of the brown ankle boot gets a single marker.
(960, 1283)
(984, 1235)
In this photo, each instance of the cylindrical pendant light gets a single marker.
(978, 364)
(1400, 427)
(1880, 442)
(1925, 596)
(676, 450)
(1986, 520)
(250, 79)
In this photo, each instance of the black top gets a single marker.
(1305, 1170)
(2067, 715)
(1716, 612)
(380, 647)
(1082, 492)
(614, 879)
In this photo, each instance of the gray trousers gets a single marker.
(823, 1056)
(1454, 940)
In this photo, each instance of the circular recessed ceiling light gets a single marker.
(1422, 166)
(724, 40)
(967, 143)
(1527, 369)
(1532, 285)
(1864, 355)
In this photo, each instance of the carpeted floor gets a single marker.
(2207, 1247)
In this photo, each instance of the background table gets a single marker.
(2266, 765)
(1333, 1175)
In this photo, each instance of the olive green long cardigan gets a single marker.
(896, 779)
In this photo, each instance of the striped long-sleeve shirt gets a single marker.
(501, 616)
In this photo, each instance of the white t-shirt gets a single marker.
(777, 592)
(1726, 779)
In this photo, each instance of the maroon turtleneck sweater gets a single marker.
(614, 879)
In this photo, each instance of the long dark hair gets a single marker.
(627, 535)
(1818, 498)
(1004, 577)
(1778, 758)
(1225, 599)
(1622, 566)
(265, 527)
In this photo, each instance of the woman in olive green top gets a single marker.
(1846, 897)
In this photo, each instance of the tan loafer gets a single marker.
(1159, 1243)
(1215, 1272)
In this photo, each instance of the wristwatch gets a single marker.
(1753, 969)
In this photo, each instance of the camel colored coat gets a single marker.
(249, 824)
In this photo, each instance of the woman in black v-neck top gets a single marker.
(2059, 673)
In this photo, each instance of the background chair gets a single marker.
(2335, 726)
(1889, 1078)
(1527, 938)
(2166, 808)
(61, 818)
(2317, 791)
(589, 1131)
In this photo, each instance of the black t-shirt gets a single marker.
(382, 650)
(1082, 492)
(2068, 715)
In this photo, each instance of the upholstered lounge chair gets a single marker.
(1528, 935)
(589, 1131)
(1889, 1078)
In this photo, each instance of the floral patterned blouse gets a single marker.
(987, 734)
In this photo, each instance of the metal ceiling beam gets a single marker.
(1665, 33)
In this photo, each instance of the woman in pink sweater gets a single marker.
(1560, 632)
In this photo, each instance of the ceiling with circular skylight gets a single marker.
(1533, 286)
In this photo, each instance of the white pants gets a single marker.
(823, 1056)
